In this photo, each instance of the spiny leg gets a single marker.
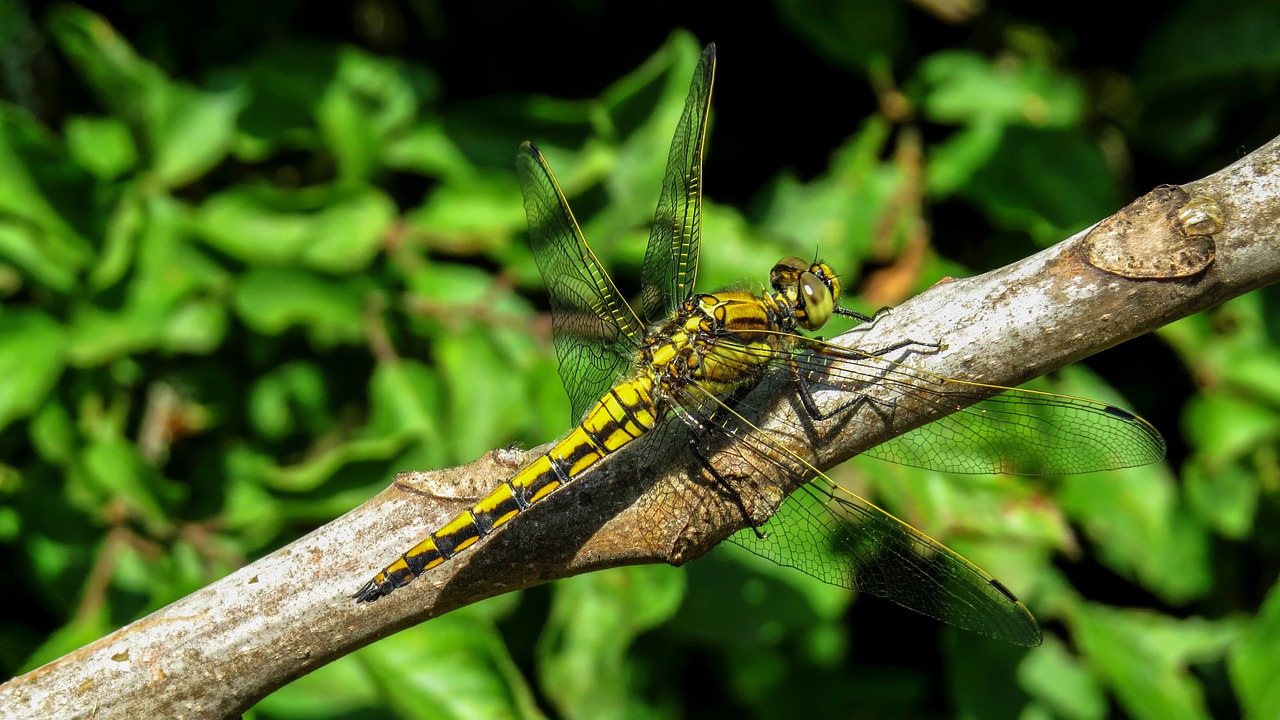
(701, 426)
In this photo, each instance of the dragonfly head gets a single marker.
(812, 289)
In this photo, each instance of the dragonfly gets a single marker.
(693, 358)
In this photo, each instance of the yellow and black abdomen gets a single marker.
(625, 413)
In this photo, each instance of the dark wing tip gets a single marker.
(1120, 413)
(1155, 442)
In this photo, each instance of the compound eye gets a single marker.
(784, 273)
(815, 301)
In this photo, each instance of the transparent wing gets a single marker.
(991, 429)
(841, 538)
(836, 536)
(671, 259)
(594, 330)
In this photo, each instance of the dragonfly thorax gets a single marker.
(809, 290)
(719, 341)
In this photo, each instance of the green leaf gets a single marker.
(1223, 428)
(116, 470)
(370, 99)
(129, 85)
(428, 149)
(285, 83)
(249, 511)
(1135, 517)
(32, 358)
(964, 88)
(49, 205)
(779, 634)
(101, 144)
(288, 399)
(186, 131)
(164, 304)
(1226, 496)
(455, 666)
(482, 385)
(952, 164)
(983, 677)
(372, 458)
(326, 228)
(1140, 529)
(195, 327)
(1249, 366)
(53, 433)
(1145, 658)
(129, 220)
(750, 605)
(271, 300)
(193, 134)
(402, 432)
(407, 401)
(1060, 680)
(476, 214)
(1255, 661)
(594, 618)
(842, 210)
(1048, 183)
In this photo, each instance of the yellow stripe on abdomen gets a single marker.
(622, 415)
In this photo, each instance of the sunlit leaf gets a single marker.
(32, 354)
(327, 228)
(594, 618)
(1145, 658)
(102, 144)
(966, 88)
(122, 476)
(1255, 661)
(271, 300)
(1226, 496)
(49, 205)
(1224, 428)
(1062, 681)
(458, 667)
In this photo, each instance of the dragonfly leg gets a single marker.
(701, 426)
(923, 347)
(868, 319)
(883, 409)
(926, 347)
(822, 369)
(695, 445)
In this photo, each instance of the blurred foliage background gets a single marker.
(257, 257)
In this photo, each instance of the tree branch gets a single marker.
(218, 651)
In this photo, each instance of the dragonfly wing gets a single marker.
(594, 330)
(1023, 432)
(990, 429)
(836, 536)
(840, 538)
(671, 260)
